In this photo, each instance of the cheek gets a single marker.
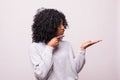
(58, 30)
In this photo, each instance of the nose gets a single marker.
(62, 27)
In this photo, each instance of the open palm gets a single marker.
(89, 43)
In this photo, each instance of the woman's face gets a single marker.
(60, 30)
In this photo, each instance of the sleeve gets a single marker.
(42, 62)
(79, 60)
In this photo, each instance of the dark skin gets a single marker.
(55, 41)
(89, 43)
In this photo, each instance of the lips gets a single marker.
(62, 31)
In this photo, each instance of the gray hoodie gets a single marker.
(59, 63)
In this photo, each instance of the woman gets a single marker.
(53, 58)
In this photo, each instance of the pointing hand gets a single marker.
(55, 41)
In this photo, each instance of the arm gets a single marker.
(42, 62)
(79, 60)
(80, 57)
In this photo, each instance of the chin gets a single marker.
(60, 34)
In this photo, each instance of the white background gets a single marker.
(87, 19)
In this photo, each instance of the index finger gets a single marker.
(60, 36)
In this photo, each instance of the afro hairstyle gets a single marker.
(46, 23)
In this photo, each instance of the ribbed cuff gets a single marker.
(82, 51)
(49, 48)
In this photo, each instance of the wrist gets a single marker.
(82, 47)
(49, 45)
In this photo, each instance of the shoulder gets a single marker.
(33, 44)
(37, 45)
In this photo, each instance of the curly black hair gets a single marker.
(46, 23)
